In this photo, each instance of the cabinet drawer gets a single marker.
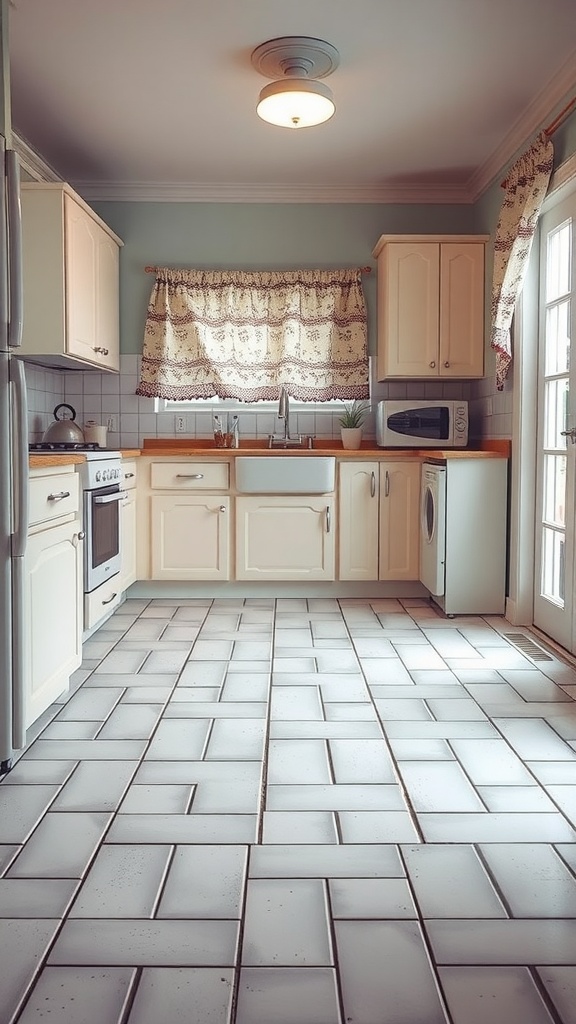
(53, 496)
(101, 601)
(190, 476)
(128, 479)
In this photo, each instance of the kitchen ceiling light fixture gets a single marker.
(296, 99)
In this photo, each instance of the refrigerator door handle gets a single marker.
(14, 214)
(20, 459)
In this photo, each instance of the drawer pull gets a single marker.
(110, 599)
(372, 484)
(327, 518)
(128, 476)
(59, 496)
(190, 476)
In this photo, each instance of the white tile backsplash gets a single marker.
(96, 396)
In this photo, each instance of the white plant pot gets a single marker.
(351, 437)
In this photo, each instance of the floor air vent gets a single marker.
(527, 646)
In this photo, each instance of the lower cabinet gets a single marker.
(128, 527)
(190, 537)
(379, 530)
(399, 521)
(53, 613)
(358, 518)
(285, 538)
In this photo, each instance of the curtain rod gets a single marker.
(558, 120)
(152, 270)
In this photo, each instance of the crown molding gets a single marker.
(531, 121)
(265, 193)
(32, 162)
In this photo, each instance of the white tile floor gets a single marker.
(295, 812)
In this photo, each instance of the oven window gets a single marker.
(433, 422)
(105, 527)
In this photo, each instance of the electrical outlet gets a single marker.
(180, 424)
(111, 424)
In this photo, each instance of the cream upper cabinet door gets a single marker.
(358, 520)
(430, 306)
(461, 352)
(285, 538)
(190, 537)
(71, 280)
(53, 610)
(399, 520)
(408, 310)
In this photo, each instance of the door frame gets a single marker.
(520, 600)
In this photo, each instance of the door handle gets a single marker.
(372, 484)
(571, 433)
(387, 484)
(328, 519)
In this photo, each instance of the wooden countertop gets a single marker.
(202, 448)
(55, 459)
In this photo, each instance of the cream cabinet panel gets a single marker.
(461, 344)
(71, 280)
(399, 520)
(285, 538)
(193, 476)
(358, 520)
(190, 537)
(128, 528)
(430, 306)
(101, 602)
(53, 612)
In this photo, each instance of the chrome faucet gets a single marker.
(284, 412)
(284, 440)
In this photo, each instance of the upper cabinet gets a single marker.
(430, 306)
(71, 281)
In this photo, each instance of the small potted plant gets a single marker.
(351, 422)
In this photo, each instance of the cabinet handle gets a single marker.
(432, 364)
(446, 364)
(101, 351)
(128, 476)
(372, 484)
(59, 496)
(387, 486)
(110, 599)
(222, 508)
(190, 476)
(328, 520)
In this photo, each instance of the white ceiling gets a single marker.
(156, 98)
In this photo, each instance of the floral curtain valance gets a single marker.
(246, 334)
(526, 185)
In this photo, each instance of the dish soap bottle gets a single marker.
(235, 432)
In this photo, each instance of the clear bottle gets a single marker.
(235, 432)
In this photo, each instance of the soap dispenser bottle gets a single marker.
(235, 432)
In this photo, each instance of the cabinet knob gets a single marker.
(432, 364)
(446, 364)
(81, 535)
(222, 508)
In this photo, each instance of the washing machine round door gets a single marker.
(428, 514)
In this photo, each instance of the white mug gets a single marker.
(94, 433)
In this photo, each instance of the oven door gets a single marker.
(102, 529)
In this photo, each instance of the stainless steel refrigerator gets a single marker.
(13, 466)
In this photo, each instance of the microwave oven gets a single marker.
(422, 424)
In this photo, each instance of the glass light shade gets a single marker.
(295, 103)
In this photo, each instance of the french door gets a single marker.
(554, 605)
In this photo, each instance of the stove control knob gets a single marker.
(98, 476)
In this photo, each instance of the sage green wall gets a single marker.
(251, 236)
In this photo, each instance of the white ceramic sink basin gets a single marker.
(281, 474)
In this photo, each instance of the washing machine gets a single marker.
(433, 528)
